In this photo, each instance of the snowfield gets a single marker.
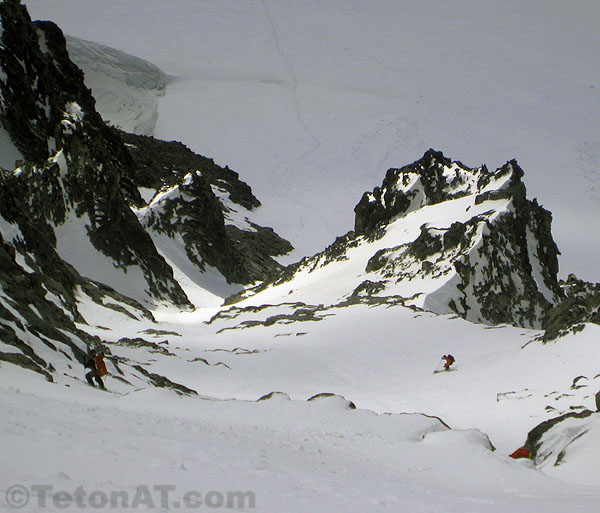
(295, 455)
(311, 102)
(126, 88)
(151, 449)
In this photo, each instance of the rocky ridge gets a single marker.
(79, 184)
(207, 206)
(50, 116)
(506, 262)
(449, 238)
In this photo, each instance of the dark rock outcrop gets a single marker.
(496, 263)
(424, 182)
(49, 114)
(207, 195)
(29, 320)
(381, 205)
(560, 432)
(581, 304)
(334, 399)
(77, 170)
(506, 261)
(160, 381)
(163, 163)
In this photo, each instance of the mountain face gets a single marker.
(127, 221)
(512, 275)
(101, 177)
(504, 260)
(206, 207)
(50, 116)
(450, 239)
(85, 214)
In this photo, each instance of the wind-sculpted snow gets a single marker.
(274, 454)
(125, 87)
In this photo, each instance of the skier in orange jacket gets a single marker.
(449, 359)
(97, 368)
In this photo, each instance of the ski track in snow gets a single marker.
(293, 78)
(285, 167)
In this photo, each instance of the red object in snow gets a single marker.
(100, 365)
(521, 453)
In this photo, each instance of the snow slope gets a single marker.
(312, 101)
(125, 87)
(296, 455)
(440, 237)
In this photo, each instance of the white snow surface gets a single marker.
(330, 283)
(294, 455)
(312, 101)
(125, 87)
(284, 455)
(73, 245)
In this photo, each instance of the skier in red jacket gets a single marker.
(97, 368)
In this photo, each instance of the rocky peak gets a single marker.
(505, 258)
(50, 116)
(431, 180)
(100, 176)
(204, 206)
(449, 239)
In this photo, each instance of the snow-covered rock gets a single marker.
(446, 238)
(499, 265)
(568, 446)
(580, 305)
(77, 222)
(50, 116)
(205, 210)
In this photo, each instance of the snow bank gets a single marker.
(126, 88)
